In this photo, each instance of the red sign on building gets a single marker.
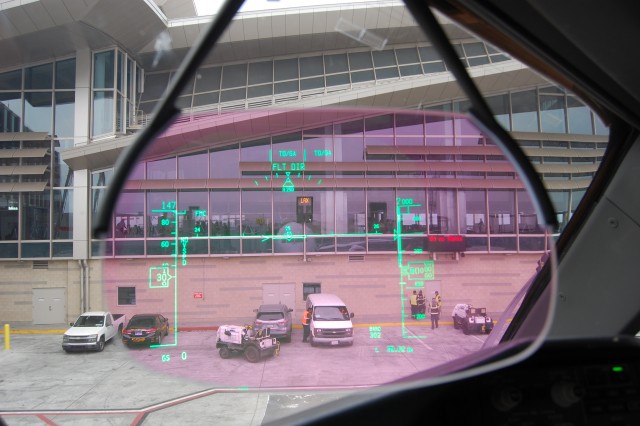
(198, 295)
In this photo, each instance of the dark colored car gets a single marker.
(145, 329)
(277, 317)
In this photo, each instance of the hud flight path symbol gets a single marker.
(162, 277)
(414, 273)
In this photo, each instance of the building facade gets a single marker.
(67, 114)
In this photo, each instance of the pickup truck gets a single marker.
(92, 330)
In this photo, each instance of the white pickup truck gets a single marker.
(92, 330)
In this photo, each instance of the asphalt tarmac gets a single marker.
(185, 381)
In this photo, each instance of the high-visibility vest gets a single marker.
(414, 299)
(434, 307)
(306, 316)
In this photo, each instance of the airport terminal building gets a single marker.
(347, 201)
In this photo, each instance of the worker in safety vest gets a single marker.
(306, 323)
(434, 312)
(421, 305)
(414, 304)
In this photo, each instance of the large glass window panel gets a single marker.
(11, 80)
(11, 112)
(62, 214)
(285, 69)
(336, 63)
(194, 222)
(337, 79)
(600, 127)
(502, 212)
(503, 243)
(382, 73)
(160, 219)
(261, 72)
(35, 250)
(286, 87)
(256, 221)
(289, 233)
(9, 209)
(560, 201)
(319, 149)
(351, 211)
(360, 61)
(441, 211)
(129, 215)
(38, 111)
(385, 141)
(384, 58)
(413, 210)
(233, 95)
(434, 67)
(257, 150)
(524, 108)
(155, 85)
(224, 213)
(224, 162)
(429, 54)
(381, 211)
(103, 119)
(438, 126)
(206, 99)
(409, 124)
(499, 105)
(362, 76)
(579, 117)
(207, 79)
(311, 66)
(552, 114)
(473, 212)
(62, 249)
(287, 149)
(161, 169)
(224, 221)
(9, 250)
(311, 83)
(193, 166)
(64, 114)
(35, 211)
(259, 91)
(131, 248)
(474, 49)
(407, 56)
(407, 70)
(103, 72)
(39, 77)
(234, 76)
(349, 149)
(527, 217)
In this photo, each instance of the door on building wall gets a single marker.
(279, 293)
(49, 306)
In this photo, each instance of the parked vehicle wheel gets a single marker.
(252, 354)
(287, 338)
(166, 331)
(159, 338)
(455, 323)
(311, 341)
(465, 328)
(101, 344)
(225, 352)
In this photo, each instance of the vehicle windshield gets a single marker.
(89, 321)
(330, 313)
(142, 323)
(270, 316)
(320, 147)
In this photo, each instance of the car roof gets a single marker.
(272, 307)
(325, 299)
(144, 315)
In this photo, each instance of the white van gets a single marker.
(330, 320)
